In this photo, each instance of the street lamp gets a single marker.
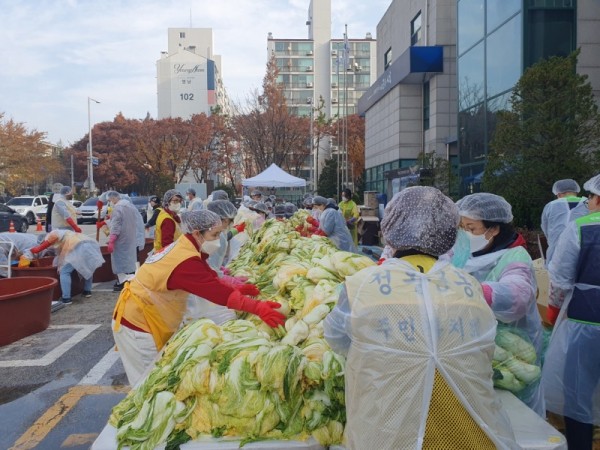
(92, 186)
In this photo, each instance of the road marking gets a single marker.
(76, 440)
(54, 354)
(46, 423)
(97, 372)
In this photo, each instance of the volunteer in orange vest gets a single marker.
(151, 305)
(167, 224)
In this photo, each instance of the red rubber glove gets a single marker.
(320, 232)
(234, 282)
(99, 204)
(265, 310)
(100, 224)
(111, 243)
(240, 227)
(225, 270)
(487, 293)
(43, 246)
(71, 222)
(314, 222)
(552, 314)
(249, 289)
(380, 261)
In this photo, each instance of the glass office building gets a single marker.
(496, 41)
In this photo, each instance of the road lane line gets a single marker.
(46, 423)
(97, 372)
(54, 354)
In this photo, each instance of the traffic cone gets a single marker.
(38, 226)
(11, 227)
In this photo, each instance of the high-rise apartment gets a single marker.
(337, 70)
(189, 75)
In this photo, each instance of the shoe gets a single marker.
(86, 294)
(118, 287)
(66, 301)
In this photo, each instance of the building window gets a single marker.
(182, 34)
(426, 105)
(387, 58)
(415, 29)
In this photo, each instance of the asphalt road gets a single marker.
(57, 387)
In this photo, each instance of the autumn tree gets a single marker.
(551, 132)
(229, 158)
(268, 132)
(25, 159)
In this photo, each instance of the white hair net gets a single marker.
(220, 195)
(255, 193)
(224, 208)
(259, 207)
(191, 191)
(290, 208)
(593, 185)
(201, 220)
(562, 186)
(109, 194)
(421, 218)
(485, 206)
(308, 201)
(331, 201)
(169, 196)
(65, 190)
(279, 210)
(318, 200)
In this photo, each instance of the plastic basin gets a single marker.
(104, 272)
(25, 304)
(42, 267)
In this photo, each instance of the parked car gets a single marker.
(88, 211)
(76, 203)
(30, 206)
(141, 204)
(7, 214)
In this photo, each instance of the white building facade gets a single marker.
(411, 108)
(189, 75)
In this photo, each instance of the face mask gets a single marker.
(175, 207)
(477, 242)
(209, 247)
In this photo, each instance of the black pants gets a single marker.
(579, 435)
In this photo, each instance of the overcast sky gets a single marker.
(56, 53)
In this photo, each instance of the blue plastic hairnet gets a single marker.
(562, 186)
(308, 201)
(220, 195)
(201, 220)
(191, 191)
(318, 200)
(420, 218)
(169, 196)
(255, 192)
(331, 201)
(593, 185)
(65, 190)
(485, 206)
(224, 208)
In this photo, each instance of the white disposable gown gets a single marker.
(333, 224)
(125, 225)
(399, 326)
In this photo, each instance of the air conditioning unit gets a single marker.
(309, 68)
(333, 52)
(309, 85)
(334, 84)
(308, 100)
(334, 100)
(309, 53)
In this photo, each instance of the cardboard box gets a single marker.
(543, 286)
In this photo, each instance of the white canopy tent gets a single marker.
(274, 177)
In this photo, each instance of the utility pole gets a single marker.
(92, 186)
